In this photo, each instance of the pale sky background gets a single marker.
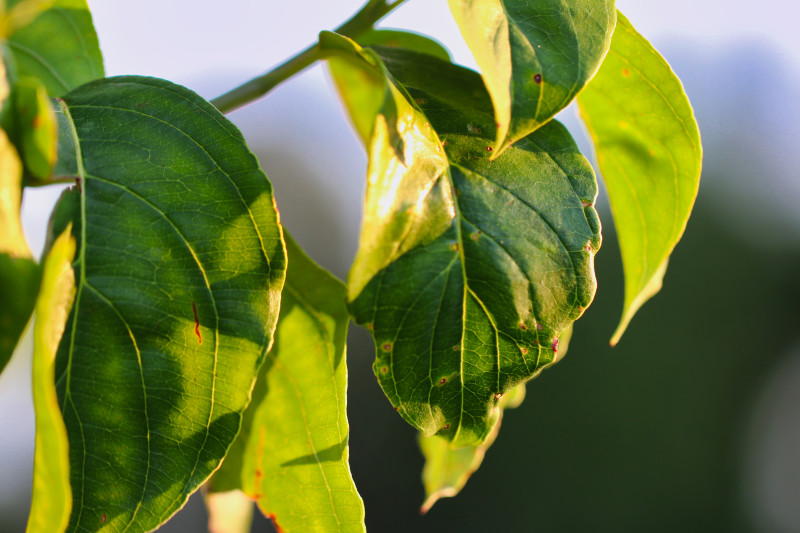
(213, 46)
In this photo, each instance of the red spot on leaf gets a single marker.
(442, 381)
(537, 78)
(197, 324)
(103, 518)
(488, 148)
(555, 345)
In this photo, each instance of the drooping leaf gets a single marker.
(468, 269)
(19, 273)
(649, 153)
(52, 496)
(179, 269)
(59, 47)
(448, 469)
(406, 40)
(36, 126)
(229, 512)
(292, 453)
(534, 56)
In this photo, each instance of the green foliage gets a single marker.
(291, 455)
(648, 148)
(476, 255)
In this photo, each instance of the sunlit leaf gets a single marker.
(52, 496)
(292, 453)
(19, 273)
(649, 152)
(447, 469)
(59, 47)
(468, 269)
(179, 269)
(534, 56)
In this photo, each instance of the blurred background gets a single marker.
(692, 423)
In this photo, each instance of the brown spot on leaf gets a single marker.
(522, 326)
(537, 78)
(197, 324)
(442, 381)
(387, 347)
(384, 370)
(103, 518)
(626, 72)
(446, 426)
(488, 148)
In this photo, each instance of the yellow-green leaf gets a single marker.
(52, 495)
(649, 153)
(19, 273)
(36, 126)
(292, 453)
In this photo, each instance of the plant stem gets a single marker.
(360, 23)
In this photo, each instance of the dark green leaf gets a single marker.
(59, 46)
(52, 496)
(649, 152)
(179, 269)
(291, 456)
(406, 40)
(535, 56)
(448, 469)
(19, 273)
(468, 269)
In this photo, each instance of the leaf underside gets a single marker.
(292, 454)
(179, 269)
(649, 152)
(468, 269)
(534, 56)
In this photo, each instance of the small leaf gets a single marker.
(448, 469)
(37, 127)
(292, 453)
(19, 273)
(649, 153)
(468, 268)
(59, 47)
(535, 56)
(407, 40)
(229, 512)
(52, 496)
(179, 269)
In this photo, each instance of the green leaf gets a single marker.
(468, 269)
(649, 153)
(59, 47)
(291, 456)
(37, 127)
(19, 273)
(179, 269)
(448, 469)
(406, 40)
(52, 496)
(535, 56)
